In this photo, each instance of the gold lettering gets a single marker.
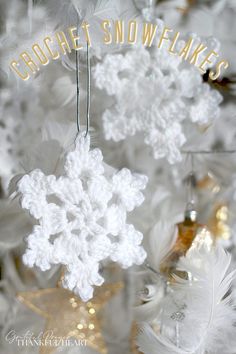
(42, 57)
(197, 51)
(149, 31)
(164, 37)
(119, 31)
(107, 36)
(172, 47)
(14, 65)
(132, 32)
(207, 60)
(62, 41)
(186, 49)
(53, 55)
(74, 37)
(29, 62)
(223, 63)
(85, 27)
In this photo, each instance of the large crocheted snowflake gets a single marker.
(155, 93)
(82, 218)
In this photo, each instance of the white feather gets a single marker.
(149, 343)
(209, 316)
(64, 91)
(148, 311)
(161, 239)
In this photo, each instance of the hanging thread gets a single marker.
(78, 92)
(88, 91)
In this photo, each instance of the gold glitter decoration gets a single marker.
(67, 316)
(218, 223)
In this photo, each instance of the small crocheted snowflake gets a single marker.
(154, 93)
(82, 218)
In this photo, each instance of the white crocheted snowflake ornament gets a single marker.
(157, 94)
(82, 218)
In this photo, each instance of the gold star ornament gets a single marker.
(67, 316)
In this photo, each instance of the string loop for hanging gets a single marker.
(88, 68)
(77, 90)
(88, 92)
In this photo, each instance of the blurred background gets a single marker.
(150, 112)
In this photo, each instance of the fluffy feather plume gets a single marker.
(207, 313)
(161, 239)
(209, 301)
(150, 343)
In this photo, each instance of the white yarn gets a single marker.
(82, 218)
(154, 92)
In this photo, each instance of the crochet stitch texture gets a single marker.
(82, 218)
(156, 94)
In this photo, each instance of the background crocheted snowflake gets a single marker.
(154, 93)
(82, 218)
(17, 129)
